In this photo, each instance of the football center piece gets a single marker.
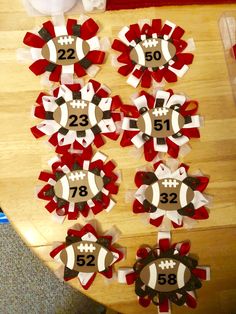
(165, 274)
(65, 50)
(86, 253)
(150, 51)
(170, 195)
(75, 116)
(78, 184)
(153, 52)
(161, 124)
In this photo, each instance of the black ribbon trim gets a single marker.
(60, 101)
(45, 34)
(159, 102)
(85, 63)
(192, 182)
(50, 67)
(188, 119)
(160, 140)
(96, 129)
(72, 239)
(49, 115)
(107, 114)
(68, 273)
(188, 210)
(96, 100)
(76, 30)
(76, 95)
(63, 131)
(80, 133)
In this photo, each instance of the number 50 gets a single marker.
(149, 56)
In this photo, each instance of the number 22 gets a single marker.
(62, 54)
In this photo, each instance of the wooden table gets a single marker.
(22, 157)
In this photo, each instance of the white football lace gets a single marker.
(167, 264)
(160, 112)
(86, 247)
(78, 104)
(77, 176)
(66, 40)
(170, 183)
(150, 43)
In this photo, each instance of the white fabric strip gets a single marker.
(137, 140)
(141, 56)
(153, 276)
(79, 48)
(105, 104)
(48, 127)
(110, 206)
(180, 72)
(52, 51)
(194, 124)
(176, 100)
(140, 102)
(122, 34)
(155, 194)
(65, 92)
(101, 259)
(49, 103)
(158, 213)
(180, 275)
(148, 123)
(183, 194)
(60, 30)
(89, 237)
(208, 272)
(180, 140)
(68, 69)
(84, 277)
(174, 216)
(141, 190)
(162, 172)
(126, 124)
(163, 95)
(179, 174)
(71, 207)
(64, 114)
(36, 53)
(70, 257)
(93, 43)
(159, 148)
(99, 156)
(175, 121)
(121, 274)
(87, 92)
(133, 80)
(65, 188)
(92, 183)
(92, 114)
(69, 137)
(165, 50)
(172, 25)
(163, 235)
(199, 200)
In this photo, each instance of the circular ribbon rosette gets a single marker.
(162, 123)
(170, 195)
(65, 50)
(78, 184)
(151, 51)
(75, 117)
(86, 253)
(165, 274)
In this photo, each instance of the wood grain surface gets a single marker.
(22, 157)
